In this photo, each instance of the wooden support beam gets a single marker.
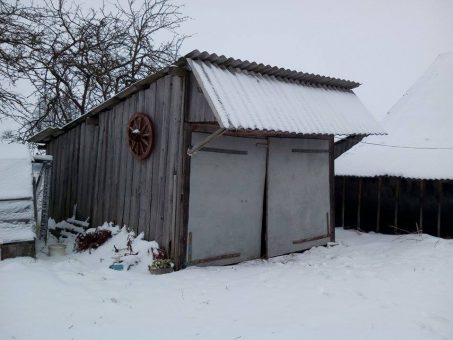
(422, 193)
(343, 201)
(378, 213)
(178, 71)
(192, 151)
(331, 213)
(345, 144)
(35, 198)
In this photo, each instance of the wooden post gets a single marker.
(45, 203)
(359, 198)
(343, 201)
(35, 198)
(378, 213)
(439, 207)
(422, 191)
(397, 197)
(332, 189)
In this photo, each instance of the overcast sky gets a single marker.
(385, 45)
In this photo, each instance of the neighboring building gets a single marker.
(17, 219)
(404, 181)
(217, 159)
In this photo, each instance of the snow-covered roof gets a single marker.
(243, 99)
(15, 172)
(345, 115)
(419, 143)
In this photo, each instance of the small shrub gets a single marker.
(92, 240)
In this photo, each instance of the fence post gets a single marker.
(359, 198)
(439, 207)
(378, 214)
(397, 197)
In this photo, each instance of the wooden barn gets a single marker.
(219, 160)
(403, 182)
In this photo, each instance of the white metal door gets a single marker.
(227, 180)
(298, 195)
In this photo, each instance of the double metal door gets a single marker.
(246, 192)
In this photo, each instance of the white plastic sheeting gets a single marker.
(16, 233)
(15, 171)
(247, 100)
(419, 143)
(16, 194)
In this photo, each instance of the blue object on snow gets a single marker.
(117, 266)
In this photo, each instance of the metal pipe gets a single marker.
(192, 151)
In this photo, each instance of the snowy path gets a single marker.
(370, 286)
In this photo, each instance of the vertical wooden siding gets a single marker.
(72, 172)
(94, 168)
(395, 205)
(199, 110)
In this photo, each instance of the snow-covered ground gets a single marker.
(369, 286)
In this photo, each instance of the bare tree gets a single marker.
(76, 58)
(15, 36)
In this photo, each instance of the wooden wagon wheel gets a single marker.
(140, 135)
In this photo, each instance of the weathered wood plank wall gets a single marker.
(94, 168)
(198, 109)
(72, 159)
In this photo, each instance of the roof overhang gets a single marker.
(357, 114)
(242, 99)
(45, 135)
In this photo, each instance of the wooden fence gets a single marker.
(394, 205)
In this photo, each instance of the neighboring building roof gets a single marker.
(15, 172)
(310, 95)
(420, 124)
(243, 99)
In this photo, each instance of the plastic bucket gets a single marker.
(57, 249)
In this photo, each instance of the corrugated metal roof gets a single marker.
(244, 99)
(223, 62)
(268, 69)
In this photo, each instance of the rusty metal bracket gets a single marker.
(311, 239)
(215, 258)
